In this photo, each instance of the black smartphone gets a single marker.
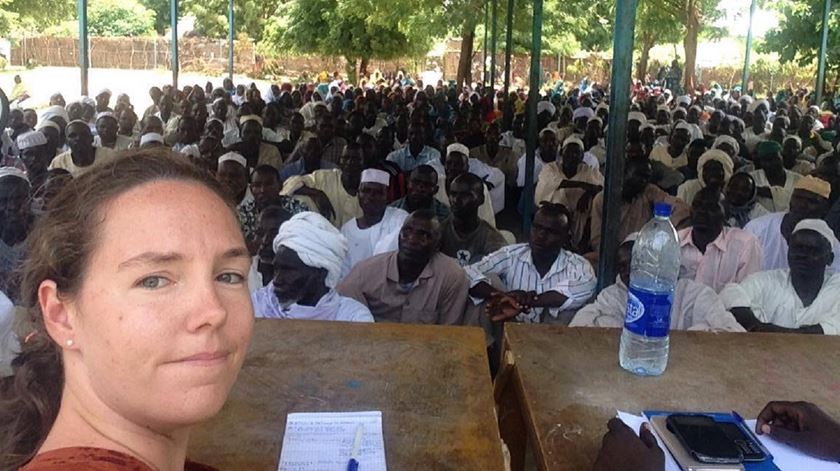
(702, 437)
(750, 450)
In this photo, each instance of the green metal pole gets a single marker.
(533, 97)
(622, 67)
(84, 61)
(484, 50)
(746, 76)
(823, 48)
(508, 46)
(173, 15)
(493, 40)
(231, 29)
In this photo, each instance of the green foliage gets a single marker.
(119, 18)
(161, 9)
(797, 39)
(251, 16)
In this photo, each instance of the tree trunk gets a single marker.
(363, 66)
(647, 45)
(352, 75)
(692, 30)
(465, 61)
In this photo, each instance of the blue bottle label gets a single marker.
(648, 313)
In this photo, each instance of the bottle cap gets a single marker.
(662, 210)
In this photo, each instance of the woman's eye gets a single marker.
(153, 282)
(231, 278)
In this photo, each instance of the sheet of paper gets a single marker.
(323, 441)
(635, 422)
(788, 459)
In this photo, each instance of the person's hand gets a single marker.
(803, 426)
(525, 299)
(622, 450)
(502, 307)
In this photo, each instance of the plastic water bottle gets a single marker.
(653, 277)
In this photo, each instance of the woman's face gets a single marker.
(163, 317)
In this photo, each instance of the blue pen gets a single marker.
(353, 464)
(743, 424)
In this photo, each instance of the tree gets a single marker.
(798, 37)
(162, 10)
(34, 16)
(252, 17)
(119, 18)
(695, 16)
(358, 30)
(654, 25)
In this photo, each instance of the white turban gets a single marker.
(583, 112)
(48, 124)
(233, 157)
(150, 137)
(684, 100)
(30, 139)
(545, 106)
(13, 172)
(727, 140)
(637, 116)
(373, 175)
(684, 125)
(316, 241)
(457, 147)
(55, 110)
(573, 140)
(819, 226)
(754, 105)
(106, 114)
(792, 137)
(719, 156)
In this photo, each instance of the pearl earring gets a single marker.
(69, 342)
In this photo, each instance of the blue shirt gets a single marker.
(296, 168)
(408, 162)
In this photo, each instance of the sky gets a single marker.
(737, 16)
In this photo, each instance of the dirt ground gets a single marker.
(44, 81)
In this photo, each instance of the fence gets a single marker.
(196, 54)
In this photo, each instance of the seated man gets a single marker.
(571, 182)
(415, 284)
(804, 298)
(422, 188)
(82, 156)
(308, 161)
(466, 237)
(309, 252)
(773, 181)
(695, 306)
(492, 176)
(714, 168)
(495, 155)
(377, 229)
(107, 126)
(262, 266)
(809, 201)
(541, 278)
(416, 152)
(15, 222)
(232, 173)
(638, 195)
(455, 165)
(251, 144)
(674, 154)
(711, 253)
(801, 425)
(332, 191)
(265, 186)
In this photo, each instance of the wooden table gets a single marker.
(431, 383)
(564, 384)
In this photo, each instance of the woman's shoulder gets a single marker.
(84, 458)
(94, 459)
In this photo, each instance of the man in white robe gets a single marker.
(309, 253)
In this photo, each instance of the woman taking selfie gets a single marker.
(136, 279)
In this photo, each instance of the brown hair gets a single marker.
(59, 249)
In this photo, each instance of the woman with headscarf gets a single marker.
(713, 168)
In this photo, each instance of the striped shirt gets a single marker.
(570, 275)
(407, 162)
